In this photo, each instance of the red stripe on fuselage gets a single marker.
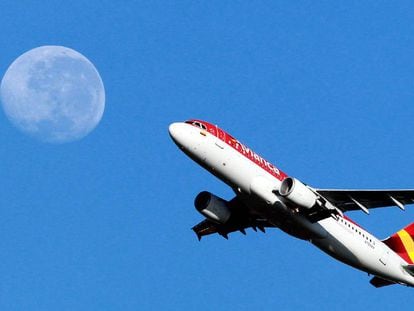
(254, 157)
(241, 148)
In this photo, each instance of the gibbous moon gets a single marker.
(53, 93)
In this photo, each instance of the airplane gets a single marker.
(266, 197)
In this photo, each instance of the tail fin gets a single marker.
(402, 243)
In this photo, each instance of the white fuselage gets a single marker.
(336, 235)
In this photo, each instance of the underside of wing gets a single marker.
(240, 220)
(350, 200)
(207, 227)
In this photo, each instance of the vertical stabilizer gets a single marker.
(402, 243)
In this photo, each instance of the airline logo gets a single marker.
(257, 159)
(403, 244)
(408, 243)
(235, 144)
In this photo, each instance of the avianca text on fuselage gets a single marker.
(266, 197)
(256, 158)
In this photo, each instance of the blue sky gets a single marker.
(323, 90)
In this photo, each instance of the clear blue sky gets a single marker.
(324, 91)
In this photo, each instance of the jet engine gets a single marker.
(212, 207)
(296, 192)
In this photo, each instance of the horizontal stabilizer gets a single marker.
(409, 269)
(378, 282)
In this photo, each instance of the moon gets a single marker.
(54, 94)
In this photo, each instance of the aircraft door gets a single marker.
(221, 136)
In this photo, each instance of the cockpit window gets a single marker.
(197, 124)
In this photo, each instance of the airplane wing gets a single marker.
(240, 220)
(207, 227)
(350, 200)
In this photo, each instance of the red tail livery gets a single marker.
(402, 243)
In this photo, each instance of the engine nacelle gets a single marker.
(212, 207)
(297, 193)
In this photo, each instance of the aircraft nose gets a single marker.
(175, 130)
(172, 129)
